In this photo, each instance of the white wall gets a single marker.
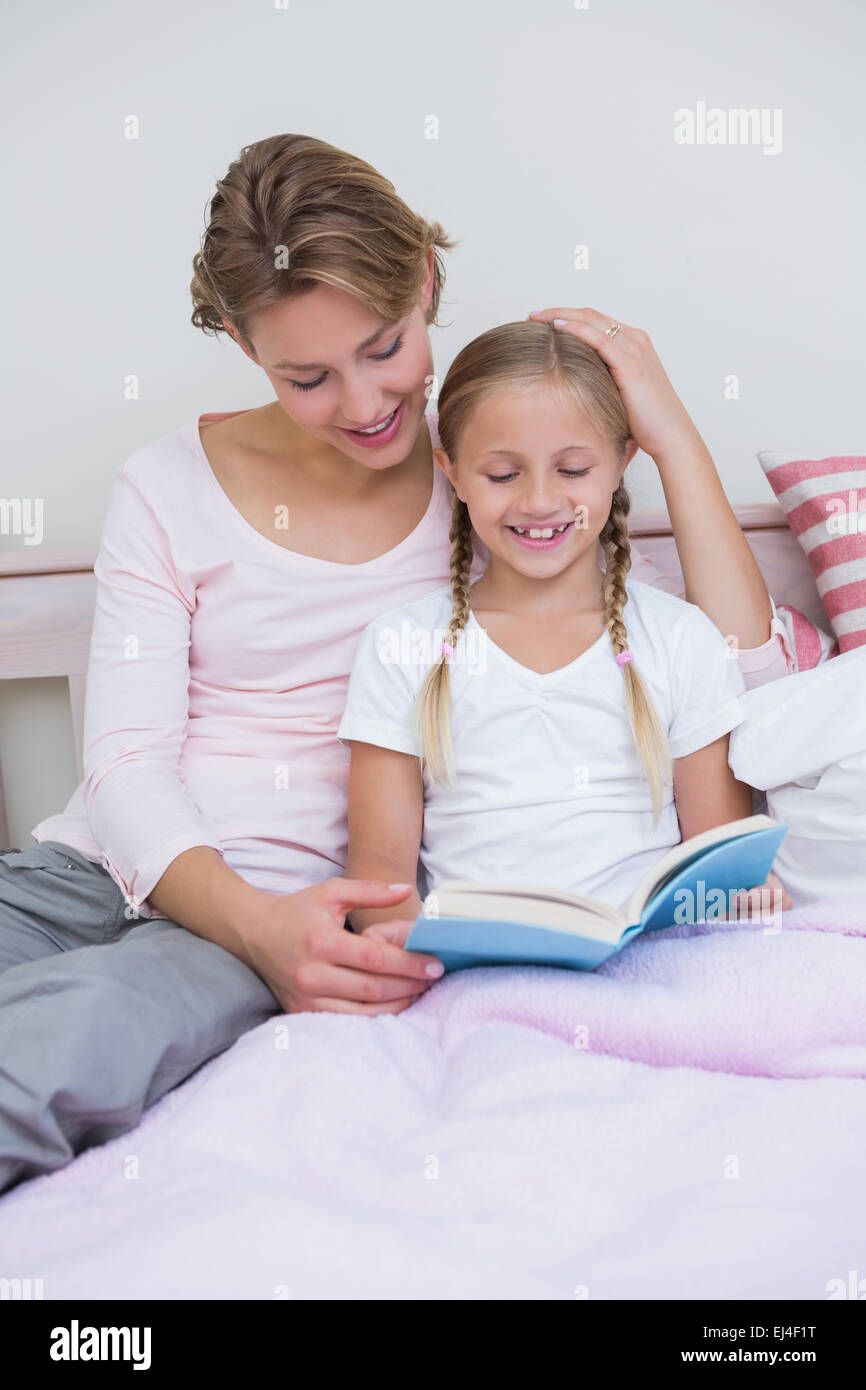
(556, 129)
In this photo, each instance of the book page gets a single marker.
(532, 904)
(540, 892)
(682, 854)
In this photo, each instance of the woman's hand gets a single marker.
(298, 945)
(658, 420)
(709, 539)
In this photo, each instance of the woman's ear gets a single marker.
(427, 292)
(233, 332)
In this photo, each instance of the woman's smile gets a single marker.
(381, 433)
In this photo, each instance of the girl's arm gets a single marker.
(707, 794)
(386, 815)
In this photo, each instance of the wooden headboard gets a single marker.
(47, 598)
(46, 613)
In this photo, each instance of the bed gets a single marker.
(686, 1122)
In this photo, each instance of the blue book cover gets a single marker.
(466, 924)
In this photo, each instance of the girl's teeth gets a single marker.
(376, 428)
(536, 534)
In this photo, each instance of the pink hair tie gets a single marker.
(623, 657)
(447, 650)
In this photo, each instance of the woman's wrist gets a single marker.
(680, 448)
(710, 542)
(200, 892)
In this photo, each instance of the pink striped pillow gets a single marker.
(824, 501)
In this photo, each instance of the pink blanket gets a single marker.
(688, 1121)
(738, 998)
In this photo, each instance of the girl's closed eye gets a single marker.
(377, 357)
(566, 472)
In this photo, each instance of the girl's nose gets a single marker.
(540, 498)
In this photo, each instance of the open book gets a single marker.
(531, 924)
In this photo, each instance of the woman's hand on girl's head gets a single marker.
(658, 420)
(298, 945)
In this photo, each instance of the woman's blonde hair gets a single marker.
(522, 357)
(293, 212)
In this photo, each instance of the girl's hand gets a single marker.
(756, 901)
(298, 945)
(658, 420)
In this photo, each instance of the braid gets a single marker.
(649, 735)
(460, 537)
(614, 538)
(433, 705)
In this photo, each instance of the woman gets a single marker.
(239, 564)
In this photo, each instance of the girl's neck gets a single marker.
(577, 589)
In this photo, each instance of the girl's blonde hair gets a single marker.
(293, 212)
(522, 357)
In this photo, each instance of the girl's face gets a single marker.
(336, 367)
(537, 478)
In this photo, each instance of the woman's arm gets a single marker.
(138, 807)
(386, 813)
(721, 575)
(720, 572)
(157, 846)
(758, 665)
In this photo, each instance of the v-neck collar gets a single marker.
(538, 678)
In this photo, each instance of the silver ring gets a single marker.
(613, 330)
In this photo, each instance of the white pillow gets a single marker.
(823, 854)
(803, 741)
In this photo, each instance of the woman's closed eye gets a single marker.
(566, 473)
(377, 357)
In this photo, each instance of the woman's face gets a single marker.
(537, 478)
(337, 367)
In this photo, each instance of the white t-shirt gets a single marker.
(550, 787)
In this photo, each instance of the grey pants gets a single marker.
(99, 1015)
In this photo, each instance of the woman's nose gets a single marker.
(360, 405)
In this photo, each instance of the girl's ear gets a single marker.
(631, 449)
(443, 461)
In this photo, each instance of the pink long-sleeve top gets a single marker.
(219, 665)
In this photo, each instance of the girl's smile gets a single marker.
(541, 537)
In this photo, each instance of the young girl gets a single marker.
(552, 720)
